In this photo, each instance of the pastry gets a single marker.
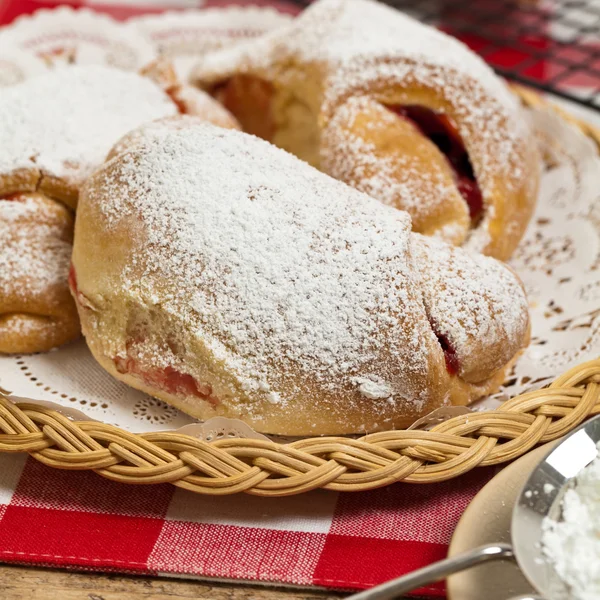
(227, 277)
(37, 312)
(59, 126)
(394, 108)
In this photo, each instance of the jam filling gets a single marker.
(452, 362)
(249, 99)
(73, 280)
(167, 379)
(18, 197)
(442, 132)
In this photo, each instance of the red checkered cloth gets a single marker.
(346, 541)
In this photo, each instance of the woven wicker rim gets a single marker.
(266, 468)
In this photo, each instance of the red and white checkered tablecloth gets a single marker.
(346, 541)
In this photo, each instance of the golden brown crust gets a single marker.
(189, 99)
(401, 154)
(19, 180)
(36, 310)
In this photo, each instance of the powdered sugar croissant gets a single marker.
(227, 277)
(394, 108)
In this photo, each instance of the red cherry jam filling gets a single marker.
(167, 379)
(18, 197)
(452, 362)
(443, 133)
(73, 280)
(249, 100)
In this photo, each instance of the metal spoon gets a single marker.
(540, 497)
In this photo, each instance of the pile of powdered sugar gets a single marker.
(64, 122)
(572, 544)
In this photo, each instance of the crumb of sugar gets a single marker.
(373, 387)
(572, 544)
(65, 121)
(283, 270)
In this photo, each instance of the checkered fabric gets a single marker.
(346, 541)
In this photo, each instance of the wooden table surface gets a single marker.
(27, 583)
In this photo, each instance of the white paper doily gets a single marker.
(559, 260)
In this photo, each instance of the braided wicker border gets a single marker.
(266, 468)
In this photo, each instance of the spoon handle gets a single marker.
(435, 572)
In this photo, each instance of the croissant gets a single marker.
(56, 129)
(394, 108)
(227, 277)
(37, 312)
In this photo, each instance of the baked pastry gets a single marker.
(59, 126)
(37, 312)
(394, 108)
(227, 277)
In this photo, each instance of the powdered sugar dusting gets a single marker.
(271, 276)
(423, 191)
(471, 296)
(64, 122)
(35, 250)
(154, 130)
(573, 544)
(286, 274)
